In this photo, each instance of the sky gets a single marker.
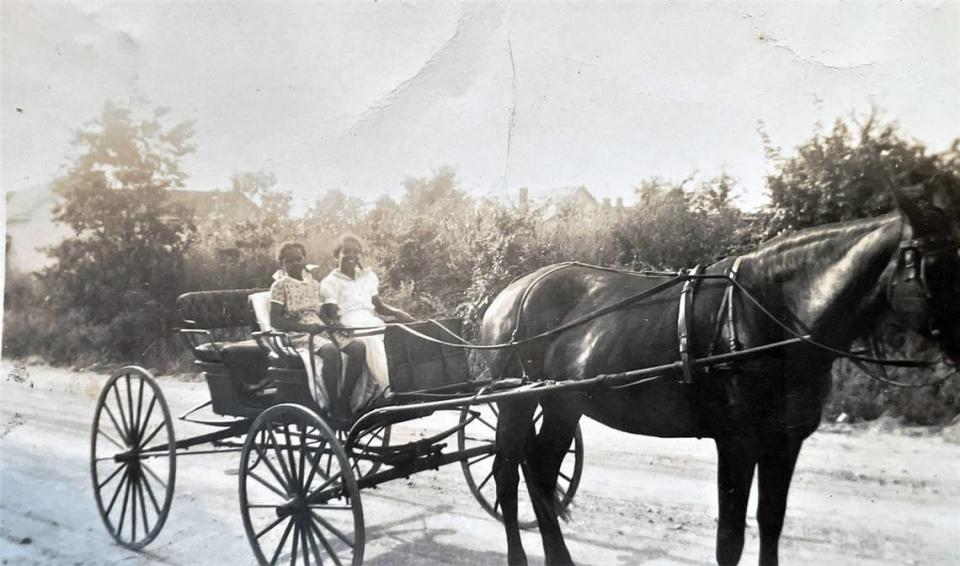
(357, 96)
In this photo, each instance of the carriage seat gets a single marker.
(212, 321)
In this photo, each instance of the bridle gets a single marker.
(908, 289)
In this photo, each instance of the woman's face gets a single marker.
(349, 258)
(292, 262)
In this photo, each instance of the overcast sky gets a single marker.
(356, 96)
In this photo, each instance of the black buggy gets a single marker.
(300, 476)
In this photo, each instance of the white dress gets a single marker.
(354, 300)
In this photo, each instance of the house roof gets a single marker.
(200, 201)
(560, 196)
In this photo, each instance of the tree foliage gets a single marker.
(128, 241)
(846, 173)
(677, 227)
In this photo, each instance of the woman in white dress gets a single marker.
(351, 299)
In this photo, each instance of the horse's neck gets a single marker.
(829, 280)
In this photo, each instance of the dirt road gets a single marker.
(860, 496)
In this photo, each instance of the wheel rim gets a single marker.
(133, 493)
(363, 451)
(299, 498)
(478, 471)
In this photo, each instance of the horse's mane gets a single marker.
(819, 245)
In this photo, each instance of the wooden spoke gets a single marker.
(294, 480)
(146, 420)
(133, 508)
(329, 481)
(136, 422)
(264, 483)
(111, 476)
(143, 506)
(283, 465)
(490, 426)
(326, 544)
(123, 416)
(153, 498)
(123, 482)
(481, 458)
(301, 471)
(153, 473)
(283, 541)
(156, 431)
(296, 542)
(485, 480)
(273, 470)
(272, 525)
(123, 506)
(111, 439)
(313, 543)
(114, 419)
(313, 464)
(346, 540)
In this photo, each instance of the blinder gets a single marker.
(908, 290)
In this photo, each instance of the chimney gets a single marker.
(619, 202)
(523, 204)
(606, 203)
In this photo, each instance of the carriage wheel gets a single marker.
(478, 470)
(363, 452)
(298, 495)
(132, 434)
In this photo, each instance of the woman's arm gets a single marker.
(279, 321)
(383, 308)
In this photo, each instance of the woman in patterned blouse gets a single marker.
(295, 305)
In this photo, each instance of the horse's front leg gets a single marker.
(736, 459)
(777, 460)
(513, 427)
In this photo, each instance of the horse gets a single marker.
(824, 285)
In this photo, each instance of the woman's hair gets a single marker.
(288, 246)
(345, 239)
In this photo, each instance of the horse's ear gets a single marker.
(930, 205)
(910, 200)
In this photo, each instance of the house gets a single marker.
(563, 203)
(229, 204)
(31, 229)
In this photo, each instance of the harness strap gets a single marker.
(685, 322)
(728, 297)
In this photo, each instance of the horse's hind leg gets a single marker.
(514, 428)
(777, 460)
(736, 459)
(544, 457)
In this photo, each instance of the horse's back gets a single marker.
(637, 329)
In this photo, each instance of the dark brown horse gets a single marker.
(830, 282)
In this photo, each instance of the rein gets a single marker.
(674, 279)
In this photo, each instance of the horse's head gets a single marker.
(924, 290)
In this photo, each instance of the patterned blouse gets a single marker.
(300, 299)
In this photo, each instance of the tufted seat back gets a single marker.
(217, 309)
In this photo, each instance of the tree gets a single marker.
(431, 195)
(123, 266)
(677, 227)
(846, 173)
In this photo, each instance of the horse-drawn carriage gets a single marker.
(739, 351)
(301, 474)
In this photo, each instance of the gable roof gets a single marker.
(231, 202)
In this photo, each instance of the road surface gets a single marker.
(873, 495)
